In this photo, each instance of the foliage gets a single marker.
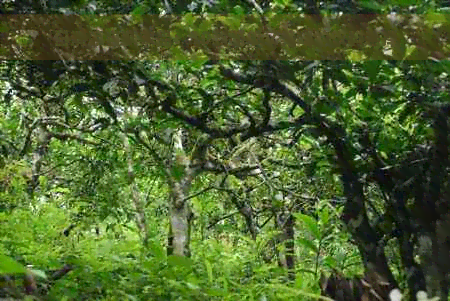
(202, 178)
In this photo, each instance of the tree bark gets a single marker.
(38, 156)
(181, 176)
(434, 251)
(180, 228)
(290, 247)
(285, 223)
(355, 215)
(414, 274)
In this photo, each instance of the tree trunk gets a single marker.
(367, 239)
(285, 223)
(181, 176)
(39, 153)
(290, 247)
(180, 228)
(246, 210)
(414, 276)
(434, 251)
(355, 215)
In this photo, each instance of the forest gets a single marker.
(224, 150)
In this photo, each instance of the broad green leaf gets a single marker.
(324, 215)
(371, 4)
(10, 266)
(372, 67)
(310, 223)
(179, 261)
(192, 286)
(330, 262)
(157, 250)
(307, 244)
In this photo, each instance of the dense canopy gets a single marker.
(224, 150)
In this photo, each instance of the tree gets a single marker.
(381, 126)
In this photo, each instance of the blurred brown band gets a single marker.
(245, 37)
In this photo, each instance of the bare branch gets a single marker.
(64, 137)
(198, 193)
(215, 222)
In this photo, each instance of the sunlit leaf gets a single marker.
(310, 223)
(10, 266)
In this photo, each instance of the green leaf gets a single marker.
(308, 244)
(157, 250)
(192, 286)
(24, 40)
(177, 52)
(324, 215)
(139, 10)
(178, 172)
(189, 19)
(137, 14)
(62, 190)
(209, 271)
(234, 22)
(355, 55)
(180, 261)
(205, 25)
(372, 68)
(225, 283)
(370, 4)
(283, 3)
(10, 266)
(310, 223)
(435, 19)
(330, 262)
(238, 10)
(403, 3)
(216, 292)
